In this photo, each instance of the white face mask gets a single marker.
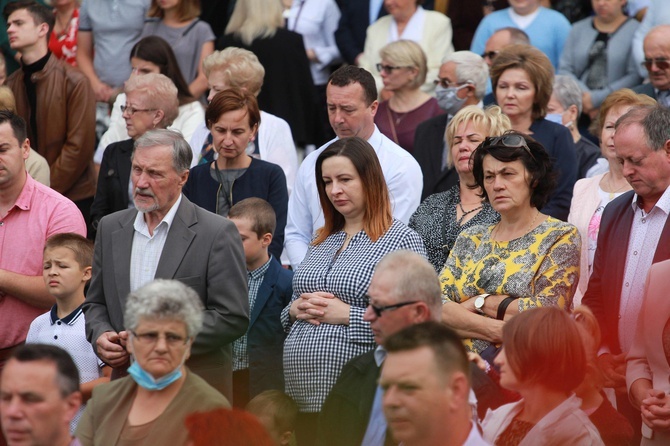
(448, 100)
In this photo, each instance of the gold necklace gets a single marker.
(610, 187)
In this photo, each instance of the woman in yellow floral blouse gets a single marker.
(526, 260)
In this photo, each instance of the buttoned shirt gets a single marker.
(254, 281)
(38, 213)
(147, 248)
(645, 233)
(402, 174)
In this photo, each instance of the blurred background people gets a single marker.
(63, 39)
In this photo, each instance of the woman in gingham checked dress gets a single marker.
(325, 317)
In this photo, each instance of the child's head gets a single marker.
(67, 264)
(256, 221)
(7, 101)
(277, 412)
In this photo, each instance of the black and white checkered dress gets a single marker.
(314, 355)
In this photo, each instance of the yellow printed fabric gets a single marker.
(540, 268)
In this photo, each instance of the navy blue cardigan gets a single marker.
(262, 180)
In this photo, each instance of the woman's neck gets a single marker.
(353, 225)
(467, 195)
(403, 19)
(241, 162)
(63, 16)
(614, 181)
(405, 100)
(517, 223)
(522, 123)
(170, 18)
(538, 402)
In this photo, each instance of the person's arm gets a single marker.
(345, 35)
(575, 55)
(462, 318)
(299, 228)
(77, 152)
(199, 85)
(101, 90)
(328, 53)
(86, 388)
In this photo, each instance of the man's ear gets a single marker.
(71, 405)
(460, 390)
(285, 438)
(25, 149)
(266, 239)
(373, 107)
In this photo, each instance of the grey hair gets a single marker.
(160, 92)
(241, 68)
(415, 279)
(470, 67)
(165, 300)
(182, 155)
(568, 92)
(654, 120)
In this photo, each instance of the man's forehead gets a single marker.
(349, 94)
(33, 376)
(498, 40)
(20, 14)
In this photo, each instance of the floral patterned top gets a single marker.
(540, 268)
(64, 45)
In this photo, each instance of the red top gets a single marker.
(64, 45)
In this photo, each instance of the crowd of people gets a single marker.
(334, 222)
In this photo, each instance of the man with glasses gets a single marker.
(57, 102)
(461, 82)
(404, 291)
(657, 63)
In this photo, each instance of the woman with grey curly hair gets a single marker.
(162, 319)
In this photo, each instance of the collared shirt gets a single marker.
(254, 281)
(38, 213)
(413, 30)
(644, 236)
(403, 178)
(147, 248)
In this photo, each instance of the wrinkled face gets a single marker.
(32, 409)
(608, 9)
(524, 7)
(12, 157)
(231, 134)
(22, 30)
(348, 113)
(508, 379)
(216, 83)
(647, 170)
(156, 183)
(416, 396)
(656, 46)
(506, 185)
(62, 273)
(344, 186)
(139, 115)
(160, 346)
(399, 78)
(515, 93)
(467, 138)
(255, 247)
(607, 134)
(141, 66)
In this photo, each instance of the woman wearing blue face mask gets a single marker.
(403, 70)
(149, 407)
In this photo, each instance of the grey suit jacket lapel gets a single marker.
(122, 242)
(178, 240)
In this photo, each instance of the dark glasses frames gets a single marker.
(379, 310)
(661, 63)
(388, 69)
(490, 54)
(511, 141)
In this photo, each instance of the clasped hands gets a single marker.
(320, 307)
(111, 348)
(655, 410)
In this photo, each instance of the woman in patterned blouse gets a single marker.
(442, 216)
(526, 260)
(325, 318)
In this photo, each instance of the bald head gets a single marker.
(502, 38)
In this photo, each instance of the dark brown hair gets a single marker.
(232, 99)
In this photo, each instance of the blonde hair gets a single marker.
(253, 19)
(160, 93)
(405, 53)
(495, 121)
(7, 101)
(240, 68)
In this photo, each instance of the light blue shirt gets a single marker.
(375, 6)
(375, 434)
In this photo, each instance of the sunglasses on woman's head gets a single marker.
(511, 141)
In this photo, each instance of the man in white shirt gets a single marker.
(352, 105)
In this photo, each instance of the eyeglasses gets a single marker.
(446, 83)
(379, 310)
(151, 338)
(490, 54)
(388, 69)
(661, 63)
(512, 141)
(132, 110)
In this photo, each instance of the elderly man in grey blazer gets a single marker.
(166, 236)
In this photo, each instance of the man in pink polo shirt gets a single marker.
(29, 214)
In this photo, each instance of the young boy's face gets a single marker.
(255, 247)
(62, 273)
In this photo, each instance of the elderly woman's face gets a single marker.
(515, 93)
(139, 116)
(231, 134)
(400, 8)
(506, 184)
(607, 133)
(344, 186)
(216, 82)
(159, 346)
(508, 379)
(467, 137)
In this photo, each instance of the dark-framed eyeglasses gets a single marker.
(388, 69)
(513, 141)
(152, 337)
(446, 83)
(490, 55)
(379, 310)
(132, 110)
(661, 63)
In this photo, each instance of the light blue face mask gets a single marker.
(554, 117)
(146, 381)
(448, 100)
